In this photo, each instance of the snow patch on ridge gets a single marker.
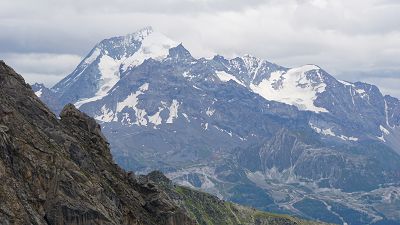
(131, 102)
(173, 111)
(186, 117)
(156, 118)
(225, 77)
(384, 132)
(106, 116)
(109, 70)
(329, 132)
(142, 117)
(293, 88)
(362, 93)
(92, 57)
(346, 83)
(210, 111)
(188, 75)
(39, 93)
(109, 76)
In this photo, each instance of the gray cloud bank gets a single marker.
(351, 39)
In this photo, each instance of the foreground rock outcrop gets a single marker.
(60, 172)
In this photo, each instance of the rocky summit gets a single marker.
(59, 171)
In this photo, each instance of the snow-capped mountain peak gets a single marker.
(113, 58)
(110, 60)
(154, 45)
(299, 86)
(138, 35)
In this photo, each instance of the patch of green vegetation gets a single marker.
(207, 209)
(250, 195)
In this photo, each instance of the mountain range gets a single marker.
(292, 140)
(59, 171)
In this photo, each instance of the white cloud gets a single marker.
(338, 35)
(388, 85)
(41, 67)
(47, 79)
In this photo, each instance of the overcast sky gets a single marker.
(44, 40)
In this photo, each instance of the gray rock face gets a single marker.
(246, 129)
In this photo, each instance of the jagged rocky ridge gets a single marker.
(245, 129)
(60, 171)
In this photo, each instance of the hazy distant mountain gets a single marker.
(286, 139)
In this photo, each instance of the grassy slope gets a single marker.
(207, 209)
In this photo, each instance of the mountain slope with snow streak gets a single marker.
(108, 61)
